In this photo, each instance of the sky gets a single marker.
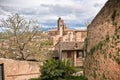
(75, 13)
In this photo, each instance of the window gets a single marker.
(79, 54)
(68, 54)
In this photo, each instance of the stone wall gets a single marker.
(103, 44)
(19, 70)
(79, 61)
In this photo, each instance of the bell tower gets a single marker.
(60, 24)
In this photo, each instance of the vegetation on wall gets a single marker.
(95, 75)
(113, 18)
(102, 46)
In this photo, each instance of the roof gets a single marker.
(81, 30)
(53, 30)
(69, 46)
(69, 29)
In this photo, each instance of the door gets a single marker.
(1, 72)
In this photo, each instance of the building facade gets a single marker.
(62, 33)
(68, 43)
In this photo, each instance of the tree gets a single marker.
(22, 32)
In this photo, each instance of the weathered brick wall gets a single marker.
(103, 44)
(20, 70)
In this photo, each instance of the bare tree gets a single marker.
(22, 32)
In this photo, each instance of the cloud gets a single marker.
(74, 12)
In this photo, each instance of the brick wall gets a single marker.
(103, 55)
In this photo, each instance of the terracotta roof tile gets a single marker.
(70, 46)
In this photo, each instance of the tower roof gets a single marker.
(59, 18)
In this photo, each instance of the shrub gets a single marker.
(35, 79)
(56, 70)
(76, 78)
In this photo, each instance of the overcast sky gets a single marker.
(75, 13)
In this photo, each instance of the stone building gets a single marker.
(68, 43)
(66, 35)
(72, 51)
